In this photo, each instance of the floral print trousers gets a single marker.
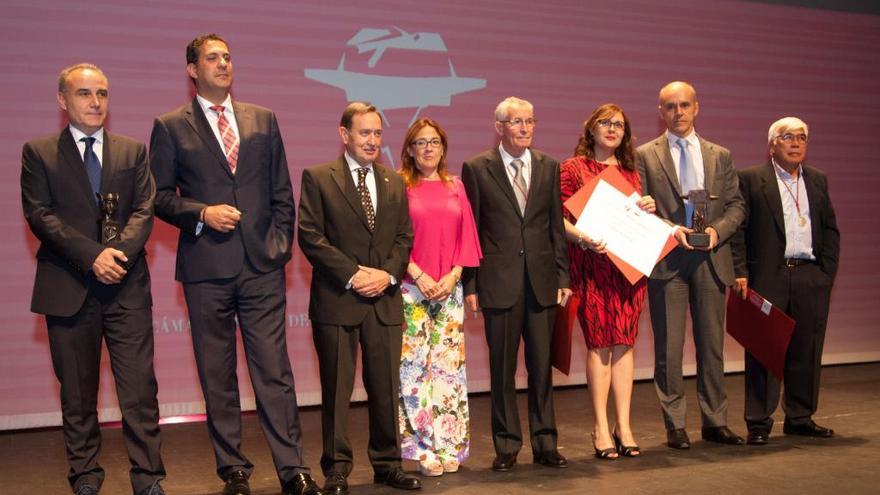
(433, 384)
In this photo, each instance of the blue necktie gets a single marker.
(93, 166)
(687, 177)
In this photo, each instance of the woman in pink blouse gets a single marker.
(433, 383)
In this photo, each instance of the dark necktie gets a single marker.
(519, 182)
(93, 166)
(366, 202)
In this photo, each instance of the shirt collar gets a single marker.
(781, 172)
(506, 157)
(78, 134)
(353, 165)
(206, 105)
(691, 138)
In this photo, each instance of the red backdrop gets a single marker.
(751, 63)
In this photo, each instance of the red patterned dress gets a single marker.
(609, 305)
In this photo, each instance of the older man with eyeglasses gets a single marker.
(787, 250)
(514, 192)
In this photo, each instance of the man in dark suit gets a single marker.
(670, 167)
(787, 250)
(514, 192)
(89, 289)
(354, 229)
(222, 179)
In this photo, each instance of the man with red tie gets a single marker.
(222, 179)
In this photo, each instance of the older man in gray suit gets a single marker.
(671, 166)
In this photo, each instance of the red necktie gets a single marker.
(230, 141)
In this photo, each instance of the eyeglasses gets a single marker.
(788, 138)
(424, 143)
(606, 123)
(520, 122)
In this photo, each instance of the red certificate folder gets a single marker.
(561, 346)
(761, 328)
(578, 201)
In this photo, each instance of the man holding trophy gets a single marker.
(695, 187)
(87, 195)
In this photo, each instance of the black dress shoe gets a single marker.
(237, 484)
(335, 484)
(154, 489)
(504, 462)
(721, 434)
(809, 429)
(301, 484)
(757, 437)
(86, 489)
(551, 458)
(678, 439)
(396, 478)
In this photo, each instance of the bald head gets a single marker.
(678, 107)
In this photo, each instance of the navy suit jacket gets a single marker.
(192, 173)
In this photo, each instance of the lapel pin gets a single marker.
(386, 179)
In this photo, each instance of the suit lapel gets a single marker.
(536, 179)
(245, 120)
(661, 151)
(69, 152)
(814, 199)
(109, 162)
(495, 166)
(197, 120)
(710, 162)
(383, 211)
(771, 194)
(342, 176)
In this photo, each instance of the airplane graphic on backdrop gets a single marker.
(395, 92)
(379, 40)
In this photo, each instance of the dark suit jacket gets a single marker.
(759, 246)
(192, 173)
(514, 243)
(63, 214)
(660, 180)
(334, 236)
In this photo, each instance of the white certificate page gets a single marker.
(632, 235)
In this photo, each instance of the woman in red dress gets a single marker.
(609, 306)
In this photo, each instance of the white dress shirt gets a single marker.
(212, 117)
(353, 166)
(97, 147)
(696, 154)
(798, 238)
(507, 159)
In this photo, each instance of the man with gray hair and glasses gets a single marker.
(514, 192)
(787, 250)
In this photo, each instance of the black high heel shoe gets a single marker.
(608, 454)
(625, 450)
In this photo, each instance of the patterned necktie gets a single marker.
(93, 166)
(520, 189)
(366, 202)
(687, 177)
(230, 140)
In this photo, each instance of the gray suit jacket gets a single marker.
(726, 213)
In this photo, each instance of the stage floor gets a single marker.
(33, 461)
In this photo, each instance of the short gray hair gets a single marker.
(502, 111)
(65, 73)
(784, 125)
